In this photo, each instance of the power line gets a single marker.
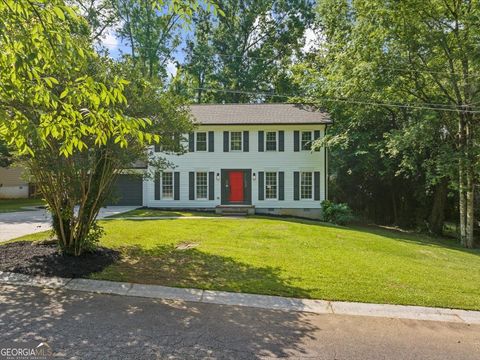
(348, 101)
(418, 71)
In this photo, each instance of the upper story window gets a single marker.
(271, 141)
(307, 140)
(236, 141)
(271, 185)
(201, 183)
(167, 185)
(306, 185)
(201, 144)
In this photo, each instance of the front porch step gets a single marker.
(235, 210)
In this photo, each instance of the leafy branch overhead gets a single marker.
(48, 92)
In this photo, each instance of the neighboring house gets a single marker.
(254, 157)
(12, 184)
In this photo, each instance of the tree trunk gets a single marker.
(462, 200)
(437, 214)
(469, 243)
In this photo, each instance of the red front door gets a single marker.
(235, 178)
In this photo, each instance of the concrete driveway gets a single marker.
(15, 224)
(79, 325)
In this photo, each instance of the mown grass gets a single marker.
(13, 205)
(298, 258)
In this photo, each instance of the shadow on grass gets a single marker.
(170, 266)
(393, 234)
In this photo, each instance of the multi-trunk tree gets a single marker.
(71, 117)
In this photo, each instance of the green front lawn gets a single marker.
(298, 258)
(146, 212)
(12, 205)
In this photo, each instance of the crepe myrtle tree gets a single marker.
(64, 113)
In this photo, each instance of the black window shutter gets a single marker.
(261, 188)
(191, 142)
(296, 185)
(191, 185)
(296, 141)
(225, 141)
(157, 147)
(260, 141)
(316, 136)
(281, 185)
(281, 140)
(246, 141)
(211, 185)
(211, 141)
(316, 185)
(176, 185)
(157, 185)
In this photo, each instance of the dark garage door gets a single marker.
(127, 190)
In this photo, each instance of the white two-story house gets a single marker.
(253, 157)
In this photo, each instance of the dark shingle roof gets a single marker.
(231, 114)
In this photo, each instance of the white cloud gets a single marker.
(312, 40)
(110, 41)
(171, 68)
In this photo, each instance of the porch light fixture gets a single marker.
(217, 176)
(254, 177)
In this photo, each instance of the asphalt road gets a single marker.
(82, 325)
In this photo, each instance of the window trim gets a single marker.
(265, 185)
(196, 141)
(312, 135)
(311, 185)
(276, 140)
(163, 197)
(230, 141)
(196, 185)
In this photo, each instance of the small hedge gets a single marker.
(339, 214)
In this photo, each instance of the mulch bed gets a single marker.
(44, 259)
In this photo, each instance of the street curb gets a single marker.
(247, 300)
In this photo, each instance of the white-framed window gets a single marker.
(236, 141)
(306, 140)
(306, 185)
(167, 185)
(201, 141)
(201, 185)
(271, 188)
(271, 141)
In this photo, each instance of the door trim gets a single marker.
(247, 194)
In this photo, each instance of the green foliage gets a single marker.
(248, 47)
(336, 213)
(64, 112)
(395, 92)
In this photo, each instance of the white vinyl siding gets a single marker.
(306, 185)
(201, 141)
(271, 141)
(236, 141)
(271, 187)
(201, 185)
(167, 185)
(288, 162)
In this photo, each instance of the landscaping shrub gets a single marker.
(339, 214)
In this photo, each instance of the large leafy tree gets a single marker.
(248, 47)
(64, 113)
(416, 62)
